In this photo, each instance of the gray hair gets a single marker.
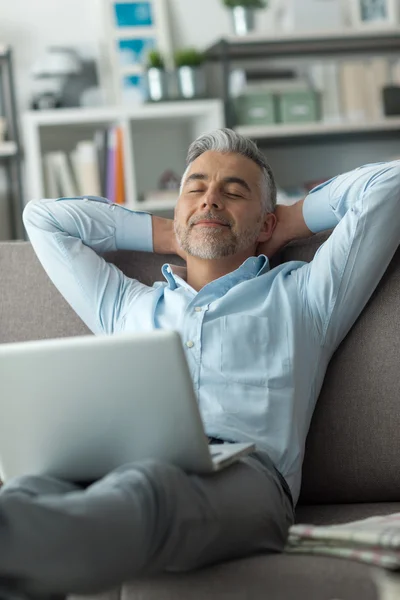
(228, 141)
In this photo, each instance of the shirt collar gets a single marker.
(251, 268)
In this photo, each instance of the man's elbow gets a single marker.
(36, 216)
(387, 182)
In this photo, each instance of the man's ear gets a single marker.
(268, 228)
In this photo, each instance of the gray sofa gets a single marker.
(352, 462)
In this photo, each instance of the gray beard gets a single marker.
(212, 244)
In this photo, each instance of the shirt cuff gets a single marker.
(134, 229)
(317, 211)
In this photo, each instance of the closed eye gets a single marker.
(234, 195)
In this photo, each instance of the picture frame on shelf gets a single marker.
(133, 29)
(374, 14)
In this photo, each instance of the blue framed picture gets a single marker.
(134, 14)
(134, 90)
(135, 51)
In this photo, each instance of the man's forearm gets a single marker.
(296, 226)
(164, 240)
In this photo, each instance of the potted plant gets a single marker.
(156, 77)
(189, 66)
(243, 14)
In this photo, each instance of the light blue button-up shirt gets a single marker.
(258, 340)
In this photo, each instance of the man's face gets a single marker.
(219, 212)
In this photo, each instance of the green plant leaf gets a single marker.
(155, 60)
(188, 57)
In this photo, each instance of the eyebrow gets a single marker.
(204, 177)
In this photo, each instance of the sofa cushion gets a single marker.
(31, 308)
(279, 577)
(353, 445)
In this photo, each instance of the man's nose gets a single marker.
(212, 199)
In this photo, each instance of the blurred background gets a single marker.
(103, 97)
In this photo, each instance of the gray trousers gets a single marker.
(142, 519)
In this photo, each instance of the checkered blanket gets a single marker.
(375, 540)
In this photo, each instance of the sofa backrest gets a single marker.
(353, 446)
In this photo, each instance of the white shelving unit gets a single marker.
(156, 138)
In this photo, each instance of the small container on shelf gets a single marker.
(300, 106)
(256, 108)
(391, 100)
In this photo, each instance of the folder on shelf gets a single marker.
(354, 90)
(52, 185)
(331, 98)
(111, 163)
(100, 141)
(60, 180)
(119, 168)
(377, 77)
(84, 159)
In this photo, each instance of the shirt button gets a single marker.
(189, 344)
(198, 309)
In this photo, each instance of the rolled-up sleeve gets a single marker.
(364, 208)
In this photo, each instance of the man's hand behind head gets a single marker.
(290, 226)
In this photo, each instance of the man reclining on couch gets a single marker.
(257, 340)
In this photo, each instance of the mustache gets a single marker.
(209, 217)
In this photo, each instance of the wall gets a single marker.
(30, 26)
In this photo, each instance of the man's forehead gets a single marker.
(223, 165)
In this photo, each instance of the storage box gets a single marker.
(391, 100)
(256, 109)
(299, 107)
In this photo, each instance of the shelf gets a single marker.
(344, 41)
(8, 149)
(157, 110)
(156, 138)
(317, 129)
(69, 116)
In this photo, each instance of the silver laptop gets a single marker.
(77, 408)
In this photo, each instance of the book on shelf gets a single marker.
(110, 167)
(94, 168)
(60, 179)
(119, 168)
(86, 168)
(323, 77)
(377, 77)
(353, 89)
(101, 142)
(361, 85)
